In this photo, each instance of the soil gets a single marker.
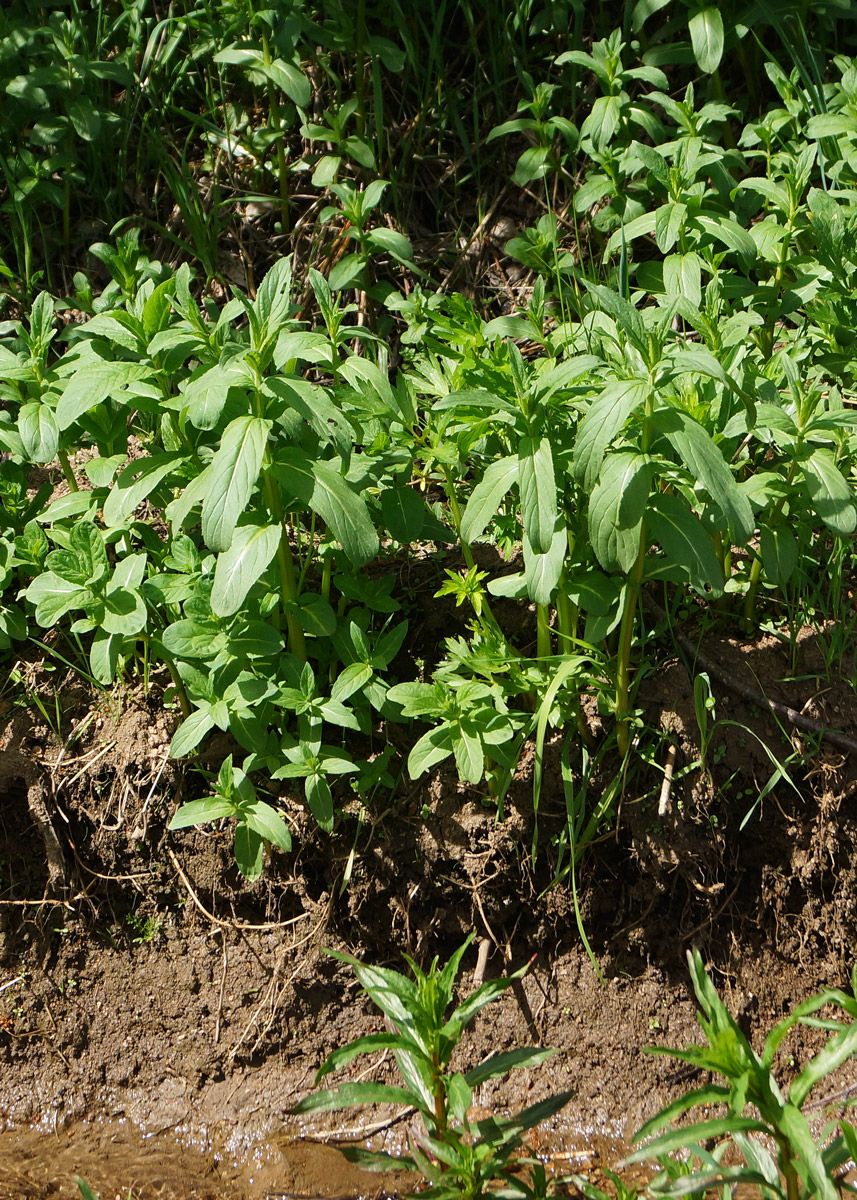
(160, 1017)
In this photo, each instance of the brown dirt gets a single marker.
(159, 995)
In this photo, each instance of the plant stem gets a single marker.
(543, 631)
(286, 566)
(67, 471)
(486, 618)
(623, 653)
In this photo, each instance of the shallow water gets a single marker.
(118, 1161)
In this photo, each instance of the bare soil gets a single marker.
(160, 1017)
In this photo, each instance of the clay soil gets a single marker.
(159, 1017)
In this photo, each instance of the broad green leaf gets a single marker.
(95, 382)
(124, 612)
(249, 851)
(831, 494)
(206, 392)
(54, 596)
(683, 277)
(315, 615)
(322, 488)
(128, 572)
(350, 1094)
(190, 639)
(729, 233)
(486, 497)
(469, 755)
(268, 823)
(238, 568)
(320, 800)
(499, 1064)
(706, 38)
(200, 812)
(189, 734)
(706, 464)
(350, 680)
(653, 161)
(537, 488)
(669, 220)
(403, 511)
(289, 79)
(231, 479)
(39, 433)
(134, 483)
(616, 509)
(779, 554)
(686, 543)
(542, 571)
(178, 510)
(104, 655)
(602, 422)
(393, 242)
(433, 747)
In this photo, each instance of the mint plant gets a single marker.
(456, 1155)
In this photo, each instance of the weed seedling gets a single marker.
(458, 1156)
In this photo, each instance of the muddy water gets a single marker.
(120, 1163)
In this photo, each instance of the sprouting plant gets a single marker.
(258, 823)
(458, 1156)
(800, 1167)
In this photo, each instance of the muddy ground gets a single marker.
(160, 1001)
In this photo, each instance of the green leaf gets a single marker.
(200, 812)
(289, 79)
(602, 422)
(350, 1095)
(93, 383)
(779, 554)
(191, 732)
(268, 823)
(124, 612)
(39, 433)
(683, 277)
(316, 616)
(104, 655)
(538, 491)
(206, 392)
(239, 567)
(669, 222)
(706, 38)
(350, 680)
(249, 851)
(54, 596)
(232, 477)
(320, 486)
(542, 571)
(498, 1065)
(707, 465)
(320, 800)
(486, 497)
(469, 755)
(433, 747)
(404, 512)
(831, 494)
(616, 509)
(135, 482)
(686, 543)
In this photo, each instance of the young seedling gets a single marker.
(459, 1157)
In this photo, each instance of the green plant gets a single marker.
(799, 1167)
(258, 823)
(457, 1156)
